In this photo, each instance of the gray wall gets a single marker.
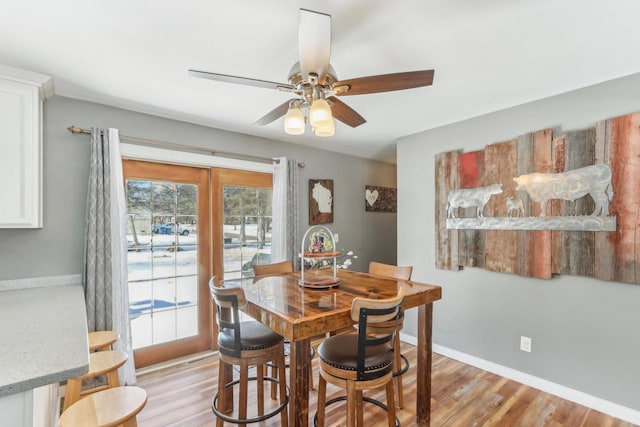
(586, 333)
(56, 249)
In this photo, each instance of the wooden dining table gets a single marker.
(301, 313)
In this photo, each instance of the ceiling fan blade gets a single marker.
(239, 80)
(385, 82)
(344, 113)
(272, 115)
(314, 43)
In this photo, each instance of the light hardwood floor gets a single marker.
(462, 396)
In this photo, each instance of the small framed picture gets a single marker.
(380, 199)
(320, 201)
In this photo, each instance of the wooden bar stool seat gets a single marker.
(100, 363)
(106, 408)
(102, 340)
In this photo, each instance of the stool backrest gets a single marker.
(393, 271)
(275, 268)
(228, 303)
(369, 312)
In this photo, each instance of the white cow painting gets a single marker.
(594, 180)
(471, 197)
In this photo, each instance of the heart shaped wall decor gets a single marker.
(371, 196)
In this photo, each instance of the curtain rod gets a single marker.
(144, 141)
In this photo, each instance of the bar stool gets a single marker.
(275, 268)
(245, 344)
(401, 273)
(102, 340)
(100, 363)
(281, 268)
(361, 361)
(106, 408)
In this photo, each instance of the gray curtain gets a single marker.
(285, 237)
(105, 255)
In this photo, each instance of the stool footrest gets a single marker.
(94, 390)
(364, 398)
(275, 411)
(404, 369)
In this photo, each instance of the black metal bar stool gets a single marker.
(361, 361)
(245, 344)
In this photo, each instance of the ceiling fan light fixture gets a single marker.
(314, 82)
(320, 113)
(328, 130)
(294, 121)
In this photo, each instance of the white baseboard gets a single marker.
(175, 362)
(610, 408)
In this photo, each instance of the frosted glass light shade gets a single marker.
(294, 121)
(328, 130)
(320, 113)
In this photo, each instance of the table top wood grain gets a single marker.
(298, 312)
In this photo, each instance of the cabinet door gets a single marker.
(20, 156)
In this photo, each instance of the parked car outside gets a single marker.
(167, 228)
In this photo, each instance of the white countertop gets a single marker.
(43, 337)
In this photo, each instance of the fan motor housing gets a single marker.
(295, 76)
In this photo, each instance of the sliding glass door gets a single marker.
(186, 224)
(168, 260)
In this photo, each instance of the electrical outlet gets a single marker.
(336, 237)
(525, 344)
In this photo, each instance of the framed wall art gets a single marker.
(320, 201)
(380, 199)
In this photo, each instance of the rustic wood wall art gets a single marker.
(545, 203)
(320, 201)
(380, 199)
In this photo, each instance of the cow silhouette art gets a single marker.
(515, 205)
(471, 197)
(594, 180)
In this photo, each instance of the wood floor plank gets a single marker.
(569, 414)
(462, 395)
(540, 411)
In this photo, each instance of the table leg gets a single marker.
(423, 391)
(299, 366)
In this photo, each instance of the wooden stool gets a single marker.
(102, 340)
(100, 363)
(245, 344)
(361, 361)
(106, 408)
(402, 273)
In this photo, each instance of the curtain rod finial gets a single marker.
(277, 162)
(74, 129)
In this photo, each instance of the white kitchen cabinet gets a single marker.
(21, 99)
(31, 408)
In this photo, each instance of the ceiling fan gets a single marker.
(316, 86)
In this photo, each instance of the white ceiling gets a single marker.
(487, 55)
